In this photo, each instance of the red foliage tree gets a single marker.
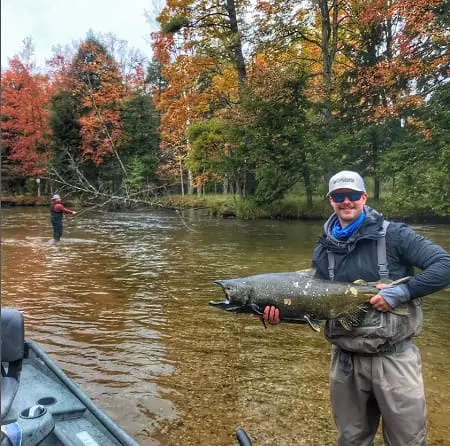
(24, 118)
(99, 87)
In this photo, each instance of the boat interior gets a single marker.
(39, 403)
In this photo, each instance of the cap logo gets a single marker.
(344, 180)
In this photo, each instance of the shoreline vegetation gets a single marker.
(292, 207)
(268, 112)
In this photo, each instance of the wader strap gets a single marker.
(381, 253)
(330, 264)
(381, 256)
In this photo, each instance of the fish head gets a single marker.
(237, 296)
(236, 291)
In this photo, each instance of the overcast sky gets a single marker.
(53, 22)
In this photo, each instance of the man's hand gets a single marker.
(271, 315)
(378, 302)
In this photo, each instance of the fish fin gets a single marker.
(345, 324)
(401, 310)
(393, 282)
(400, 281)
(386, 281)
(258, 313)
(256, 309)
(313, 323)
(354, 318)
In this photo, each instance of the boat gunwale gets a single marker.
(114, 429)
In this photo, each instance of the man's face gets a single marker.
(350, 208)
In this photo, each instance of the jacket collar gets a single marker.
(370, 229)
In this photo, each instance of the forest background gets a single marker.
(259, 101)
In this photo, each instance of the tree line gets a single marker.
(250, 98)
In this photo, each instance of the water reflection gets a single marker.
(121, 304)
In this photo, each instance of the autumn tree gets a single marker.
(395, 66)
(99, 88)
(309, 34)
(24, 118)
(104, 125)
(215, 29)
(277, 145)
(315, 29)
(180, 99)
(200, 48)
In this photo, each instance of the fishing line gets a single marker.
(68, 222)
(184, 222)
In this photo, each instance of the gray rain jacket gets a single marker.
(356, 258)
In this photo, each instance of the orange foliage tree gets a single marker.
(406, 55)
(200, 48)
(100, 91)
(24, 120)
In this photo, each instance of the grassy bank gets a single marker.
(294, 207)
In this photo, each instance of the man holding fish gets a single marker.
(375, 368)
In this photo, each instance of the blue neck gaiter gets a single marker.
(344, 233)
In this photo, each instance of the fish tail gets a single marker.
(354, 318)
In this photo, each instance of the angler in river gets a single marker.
(375, 368)
(57, 211)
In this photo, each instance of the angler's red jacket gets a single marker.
(58, 207)
(57, 211)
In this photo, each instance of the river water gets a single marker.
(121, 304)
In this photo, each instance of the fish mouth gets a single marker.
(220, 283)
(226, 305)
(225, 288)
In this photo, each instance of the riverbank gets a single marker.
(292, 207)
(23, 200)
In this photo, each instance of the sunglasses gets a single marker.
(339, 197)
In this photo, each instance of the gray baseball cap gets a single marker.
(346, 179)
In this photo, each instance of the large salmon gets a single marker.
(301, 297)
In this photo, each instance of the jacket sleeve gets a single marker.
(432, 259)
(67, 211)
(60, 208)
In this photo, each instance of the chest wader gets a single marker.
(56, 219)
(386, 384)
(379, 332)
(381, 256)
